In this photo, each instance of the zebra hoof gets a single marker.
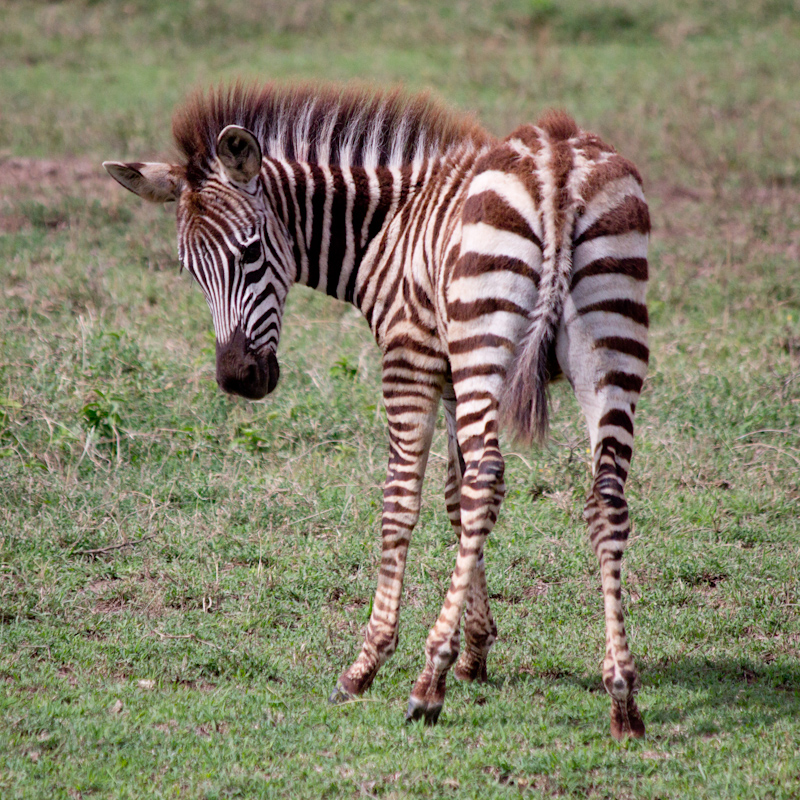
(626, 721)
(340, 695)
(419, 709)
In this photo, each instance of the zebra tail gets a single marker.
(523, 404)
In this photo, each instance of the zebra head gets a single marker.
(234, 245)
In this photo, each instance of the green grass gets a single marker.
(184, 575)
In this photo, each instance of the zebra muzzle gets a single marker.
(243, 371)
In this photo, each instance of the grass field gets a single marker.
(183, 575)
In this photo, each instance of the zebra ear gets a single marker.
(239, 153)
(158, 183)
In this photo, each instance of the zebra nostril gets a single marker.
(273, 372)
(240, 370)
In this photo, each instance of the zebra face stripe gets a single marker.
(235, 249)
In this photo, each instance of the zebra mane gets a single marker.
(328, 125)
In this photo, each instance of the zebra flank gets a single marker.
(485, 268)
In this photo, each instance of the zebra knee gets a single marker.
(442, 654)
(482, 492)
(493, 468)
(383, 643)
(608, 486)
(485, 475)
(606, 512)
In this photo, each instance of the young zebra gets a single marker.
(484, 269)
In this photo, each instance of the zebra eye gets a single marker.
(252, 252)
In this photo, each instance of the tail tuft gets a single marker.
(523, 404)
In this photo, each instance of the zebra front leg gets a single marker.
(411, 421)
(481, 493)
(381, 636)
(480, 631)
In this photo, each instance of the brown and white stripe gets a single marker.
(484, 268)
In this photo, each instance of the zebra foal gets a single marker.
(484, 268)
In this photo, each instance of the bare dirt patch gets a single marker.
(725, 234)
(766, 213)
(48, 181)
(41, 178)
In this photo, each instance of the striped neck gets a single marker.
(334, 213)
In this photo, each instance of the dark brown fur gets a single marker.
(615, 167)
(630, 215)
(262, 108)
(558, 125)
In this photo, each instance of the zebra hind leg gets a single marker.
(480, 631)
(606, 512)
(482, 493)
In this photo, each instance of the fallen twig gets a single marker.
(193, 637)
(100, 550)
(780, 450)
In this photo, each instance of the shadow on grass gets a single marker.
(704, 694)
(755, 693)
(704, 672)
